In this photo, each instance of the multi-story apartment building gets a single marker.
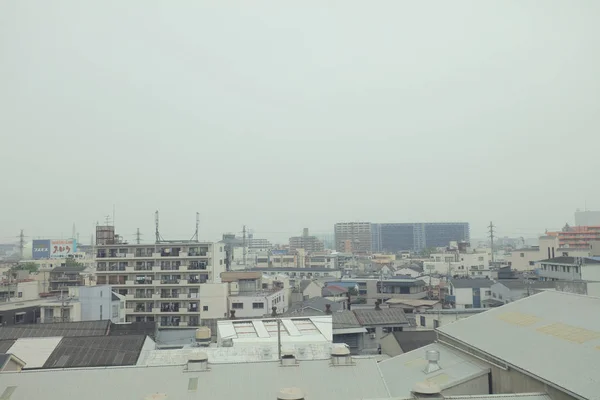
(569, 269)
(310, 244)
(163, 282)
(576, 237)
(397, 237)
(62, 278)
(353, 237)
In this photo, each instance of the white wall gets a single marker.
(218, 261)
(213, 296)
(278, 299)
(590, 272)
(97, 304)
(312, 290)
(28, 290)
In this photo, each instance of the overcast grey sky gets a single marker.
(282, 115)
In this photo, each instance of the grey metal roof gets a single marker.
(533, 333)
(304, 284)
(345, 319)
(70, 268)
(315, 303)
(515, 284)
(466, 283)
(569, 260)
(385, 316)
(86, 328)
(403, 371)
(133, 328)
(6, 344)
(262, 380)
(412, 340)
(96, 351)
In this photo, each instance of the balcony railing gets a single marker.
(143, 281)
(142, 295)
(169, 281)
(143, 268)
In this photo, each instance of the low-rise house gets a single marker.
(469, 293)
(307, 289)
(569, 269)
(508, 290)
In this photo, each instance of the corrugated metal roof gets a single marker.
(412, 340)
(534, 332)
(403, 371)
(87, 328)
(383, 316)
(466, 283)
(34, 351)
(318, 380)
(96, 351)
(6, 344)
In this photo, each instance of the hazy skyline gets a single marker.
(283, 115)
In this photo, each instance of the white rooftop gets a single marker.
(34, 351)
(316, 329)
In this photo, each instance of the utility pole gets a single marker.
(138, 236)
(156, 233)
(21, 244)
(278, 338)
(244, 244)
(491, 231)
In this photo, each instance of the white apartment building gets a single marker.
(473, 264)
(162, 282)
(251, 294)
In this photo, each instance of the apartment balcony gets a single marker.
(65, 279)
(172, 282)
(143, 282)
(180, 324)
(419, 295)
(142, 296)
(142, 268)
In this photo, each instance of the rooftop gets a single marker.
(570, 260)
(466, 283)
(384, 316)
(316, 329)
(547, 329)
(67, 329)
(515, 284)
(290, 269)
(223, 381)
(405, 370)
(413, 340)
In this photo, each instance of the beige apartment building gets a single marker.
(174, 283)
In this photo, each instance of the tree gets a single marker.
(29, 266)
(70, 262)
(427, 252)
(353, 291)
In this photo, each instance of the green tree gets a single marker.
(71, 262)
(27, 266)
(353, 291)
(425, 253)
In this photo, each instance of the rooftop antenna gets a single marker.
(157, 232)
(195, 237)
(138, 236)
(21, 244)
(244, 245)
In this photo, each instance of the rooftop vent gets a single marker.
(432, 356)
(227, 342)
(426, 390)
(341, 356)
(266, 353)
(288, 358)
(231, 314)
(292, 393)
(156, 396)
(197, 362)
(327, 308)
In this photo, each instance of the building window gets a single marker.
(488, 292)
(237, 306)
(115, 311)
(100, 310)
(204, 308)
(499, 296)
(481, 258)
(20, 294)
(258, 306)
(521, 255)
(19, 318)
(494, 295)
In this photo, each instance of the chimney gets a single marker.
(377, 303)
(432, 356)
(274, 311)
(290, 394)
(327, 308)
(340, 355)
(232, 314)
(288, 358)
(426, 390)
(197, 362)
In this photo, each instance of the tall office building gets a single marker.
(353, 237)
(395, 237)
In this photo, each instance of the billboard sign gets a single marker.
(40, 249)
(62, 248)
